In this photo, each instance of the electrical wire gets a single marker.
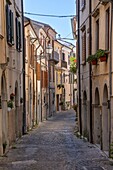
(45, 15)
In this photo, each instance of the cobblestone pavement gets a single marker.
(53, 146)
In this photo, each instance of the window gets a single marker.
(9, 25)
(18, 34)
(32, 52)
(107, 29)
(97, 34)
(63, 56)
(84, 46)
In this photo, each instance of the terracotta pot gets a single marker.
(94, 62)
(103, 58)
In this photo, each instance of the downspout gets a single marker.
(24, 93)
(90, 70)
(78, 57)
(110, 75)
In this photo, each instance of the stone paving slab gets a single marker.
(53, 146)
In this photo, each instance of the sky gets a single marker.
(53, 7)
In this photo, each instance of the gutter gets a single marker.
(24, 129)
(90, 71)
(110, 76)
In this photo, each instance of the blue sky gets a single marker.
(54, 7)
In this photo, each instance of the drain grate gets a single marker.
(93, 168)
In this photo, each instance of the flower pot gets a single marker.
(103, 58)
(94, 62)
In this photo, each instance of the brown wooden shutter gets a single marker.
(38, 71)
(84, 47)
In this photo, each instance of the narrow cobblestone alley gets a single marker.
(53, 146)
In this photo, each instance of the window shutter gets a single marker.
(38, 71)
(16, 20)
(84, 47)
(11, 28)
(8, 22)
(19, 36)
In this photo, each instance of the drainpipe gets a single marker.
(90, 70)
(24, 94)
(78, 57)
(110, 75)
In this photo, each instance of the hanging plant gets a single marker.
(73, 65)
(10, 104)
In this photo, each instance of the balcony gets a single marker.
(63, 64)
(54, 57)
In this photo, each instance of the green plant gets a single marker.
(10, 104)
(91, 58)
(73, 65)
(101, 53)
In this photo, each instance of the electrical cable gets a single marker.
(45, 15)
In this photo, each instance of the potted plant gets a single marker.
(102, 54)
(10, 105)
(92, 59)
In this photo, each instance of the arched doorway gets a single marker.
(97, 118)
(16, 109)
(105, 120)
(85, 130)
(4, 110)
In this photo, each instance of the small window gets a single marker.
(97, 34)
(63, 56)
(9, 25)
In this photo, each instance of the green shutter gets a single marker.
(12, 28)
(16, 33)
(8, 22)
(19, 24)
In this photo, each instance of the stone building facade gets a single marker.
(11, 72)
(95, 87)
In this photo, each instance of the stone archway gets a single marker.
(85, 116)
(16, 109)
(4, 110)
(105, 120)
(97, 119)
